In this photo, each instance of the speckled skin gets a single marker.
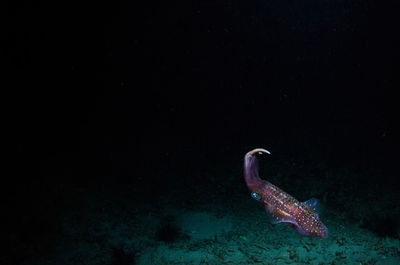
(281, 206)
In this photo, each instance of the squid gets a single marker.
(280, 206)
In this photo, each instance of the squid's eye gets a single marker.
(256, 196)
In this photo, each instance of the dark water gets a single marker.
(157, 103)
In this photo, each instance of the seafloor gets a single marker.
(216, 222)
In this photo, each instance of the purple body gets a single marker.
(281, 206)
